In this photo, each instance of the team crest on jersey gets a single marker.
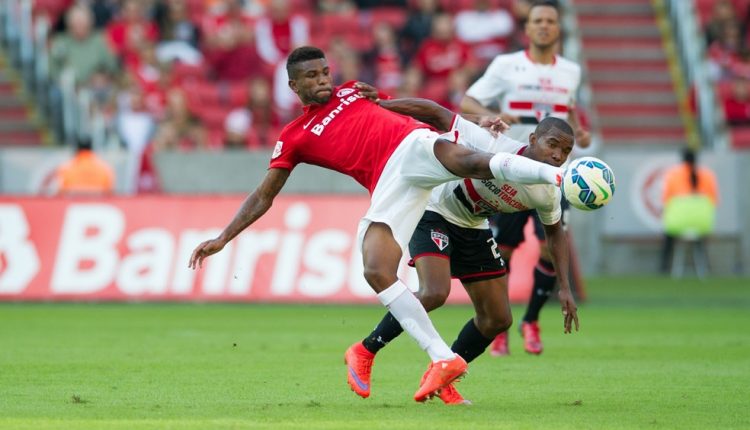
(344, 92)
(277, 149)
(440, 239)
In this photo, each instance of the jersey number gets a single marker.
(493, 247)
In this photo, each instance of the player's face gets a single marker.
(312, 82)
(552, 148)
(543, 27)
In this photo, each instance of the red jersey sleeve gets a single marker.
(284, 154)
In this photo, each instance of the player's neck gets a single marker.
(541, 55)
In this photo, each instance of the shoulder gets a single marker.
(503, 60)
(565, 64)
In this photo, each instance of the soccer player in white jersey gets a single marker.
(453, 238)
(525, 87)
(399, 160)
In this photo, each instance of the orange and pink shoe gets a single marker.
(439, 375)
(532, 343)
(450, 396)
(358, 362)
(499, 346)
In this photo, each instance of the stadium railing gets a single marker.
(690, 45)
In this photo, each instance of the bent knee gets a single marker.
(433, 299)
(491, 326)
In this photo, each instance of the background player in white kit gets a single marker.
(525, 87)
(399, 160)
(453, 238)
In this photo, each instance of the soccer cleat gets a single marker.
(438, 375)
(450, 396)
(499, 347)
(532, 343)
(359, 367)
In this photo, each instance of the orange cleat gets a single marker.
(358, 362)
(499, 347)
(450, 396)
(532, 343)
(438, 375)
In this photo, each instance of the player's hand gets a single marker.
(494, 124)
(569, 310)
(583, 138)
(509, 119)
(203, 250)
(367, 90)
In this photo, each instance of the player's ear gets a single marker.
(532, 139)
(293, 85)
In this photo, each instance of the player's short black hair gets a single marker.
(302, 54)
(547, 124)
(550, 3)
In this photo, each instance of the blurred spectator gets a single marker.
(724, 51)
(486, 30)
(179, 36)
(737, 105)
(80, 49)
(263, 119)
(83, 52)
(130, 30)
(238, 130)
(336, 6)
(520, 11)
(280, 31)
(230, 46)
(441, 55)
(722, 16)
(686, 180)
(382, 64)
(180, 130)
(411, 84)
(343, 60)
(418, 27)
(86, 173)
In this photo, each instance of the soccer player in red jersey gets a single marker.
(399, 160)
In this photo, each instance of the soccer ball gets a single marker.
(588, 183)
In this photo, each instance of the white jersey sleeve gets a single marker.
(492, 85)
(478, 138)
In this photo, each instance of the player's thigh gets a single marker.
(381, 255)
(431, 247)
(544, 252)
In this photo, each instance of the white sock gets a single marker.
(517, 168)
(405, 307)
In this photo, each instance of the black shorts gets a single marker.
(472, 252)
(508, 228)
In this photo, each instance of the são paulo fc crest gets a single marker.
(277, 148)
(344, 92)
(440, 239)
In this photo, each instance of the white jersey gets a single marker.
(468, 202)
(526, 89)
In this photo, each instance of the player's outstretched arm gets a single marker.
(254, 206)
(422, 109)
(558, 245)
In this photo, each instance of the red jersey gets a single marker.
(349, 134)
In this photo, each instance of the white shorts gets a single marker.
(404, 187)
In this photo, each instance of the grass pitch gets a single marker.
(651, 354)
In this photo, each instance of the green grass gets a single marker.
(651, 354)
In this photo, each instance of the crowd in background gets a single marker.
(727, 28)
(209, 74)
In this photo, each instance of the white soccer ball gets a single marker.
(588, 183)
